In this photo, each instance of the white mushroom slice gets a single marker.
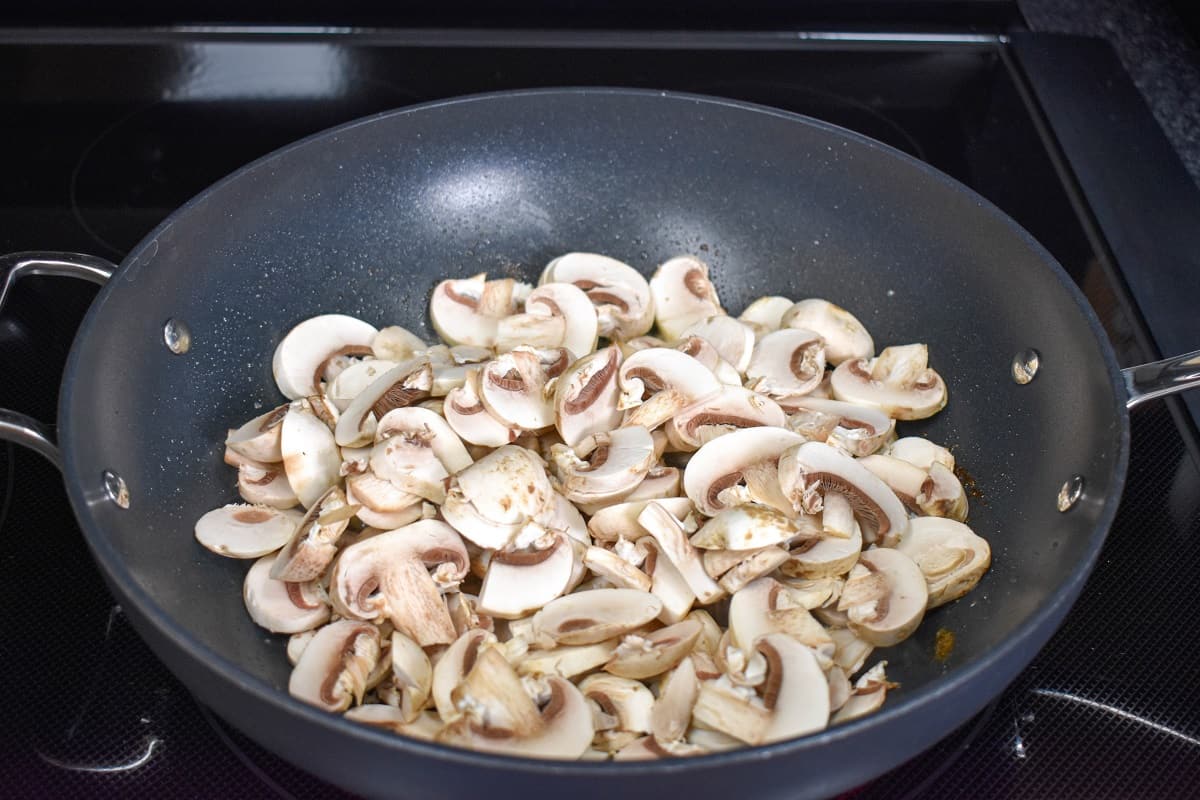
(787, 363)
(624, 306)
(242, 531)
(673, 543)
(899, 382)
(619, 572)
(355, 378)
(673, 710)
(495, 499)
(796, 691)
(850, 652)
(808, 470)
(467, 415)
(718, 562)
(732, 710)
(394, 343)
(724, 464)
(300, 360)
(921, 452)
(468, 311)
(733, 340)
(258, 439)
(412, 675)
(714, 741)
(823, 558)
(260, 483)
(513, 389)
(313, 542)
(767, 312)
(683, 295)
(296, 644)
(611, 466)
(519, 581)
(589, 617)
(311, 459)
(569, 303)
(857, 430)
(949, 554)
(840, 689)
(455, 662)
(942, 495)
(745, 527)
(333, 669)
(884, 597)
(403, 385)
(845, 337)
(567, 661)
(754, 565)
(628, 702)
(837, 516)
(282, 607)
(378, 715)
(734, 408)
(585, 397)
(644, 656)
(658, 383)
(619, 521)
(381, 504)
(387, 577)
(648, 748)
(869, 693)
(416, 450)
(901, 477)
(530, 330)
(766, 606)
(660, 483)
(703, 351)
(812, 593)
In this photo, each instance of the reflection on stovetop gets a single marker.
(104, 141)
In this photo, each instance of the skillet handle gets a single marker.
(20, 428)
(1158, 378)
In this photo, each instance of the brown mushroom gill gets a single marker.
(591, 390)
(862, 505)
(349, 351)
(804, 363)
(698, 284)
(345, 657)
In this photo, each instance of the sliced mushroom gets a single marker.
(942, 494)
(297, 642)
(715, 474)
(624, 306)
(496, 501)
(714, 741)
(733, 339)
(333, 669)
(412, 676)
(387, 577)
(464, 359)
(311, 459)
(342, 390)
(766, 312)
(809, 470)
(605, 466)
(303, 355)
(649, 748)
(845, 337)
(585, 397)
(673, 543)
(823, 558)
(282, 607)
(379, 715)
(840, 689)
(403, 385)
(565, 303)
(837, 516)
(454, 664)
(513, 389)
(745, 527)
(857, 430)
(766, 606)
(898, 381)
(260, 483)
(567, 661)
(620, 521)
(733, 710)
(921, 452)
(416, 450)
(869, 693)
(658, 383)
(812, 593)
(787, 363)
(470, 419)
(796, 691)
(394, 343)
(644, 656)
(313, 542)
(241, 531)
(756, 564)
(628, 702)
(673, 710)
(703, 351)
(259, 438)
(884, 597)
(901, 477)
(521, 580)
(380, 504)
(949, 554)
(734, 408)
(683, 295)
(619, 572)
(589, 617)
(468, 311)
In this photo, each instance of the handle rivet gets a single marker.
(176, 336)
(1070, 493)
(1025, 366)
(115, 489)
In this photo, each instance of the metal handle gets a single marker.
(20, 428)
(1171, 375)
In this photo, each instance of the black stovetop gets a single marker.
(106, 133)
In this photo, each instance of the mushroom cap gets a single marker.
(623, 301)
(644, 656)
(394, 343)
(891, 618)
(301, 356)
(949, 554)
(845, 337)
(258, 439)
(593, 616)
(796, 691)
(470, 419)
(614, 464)
(857, 430)
(571, 304)
(521, 580)
(404, 384)
(512, 387)
(659, 382)
(899, 382)
(720, 464)
(920, 452)
(787, 363)
(825, 557)
(628, 701)
(492, 500)
(810, 469)
(342, 390)
(745, 527)
(732, 339)
(282, 607)
(311, 458)
(242, 531)
(767, 312)
(332, 671)
(467, 311)
(734, 408)
(683, 295)
(586, 395)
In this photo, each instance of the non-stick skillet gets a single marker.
(365, 218)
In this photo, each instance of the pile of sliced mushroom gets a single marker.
(561, 535)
